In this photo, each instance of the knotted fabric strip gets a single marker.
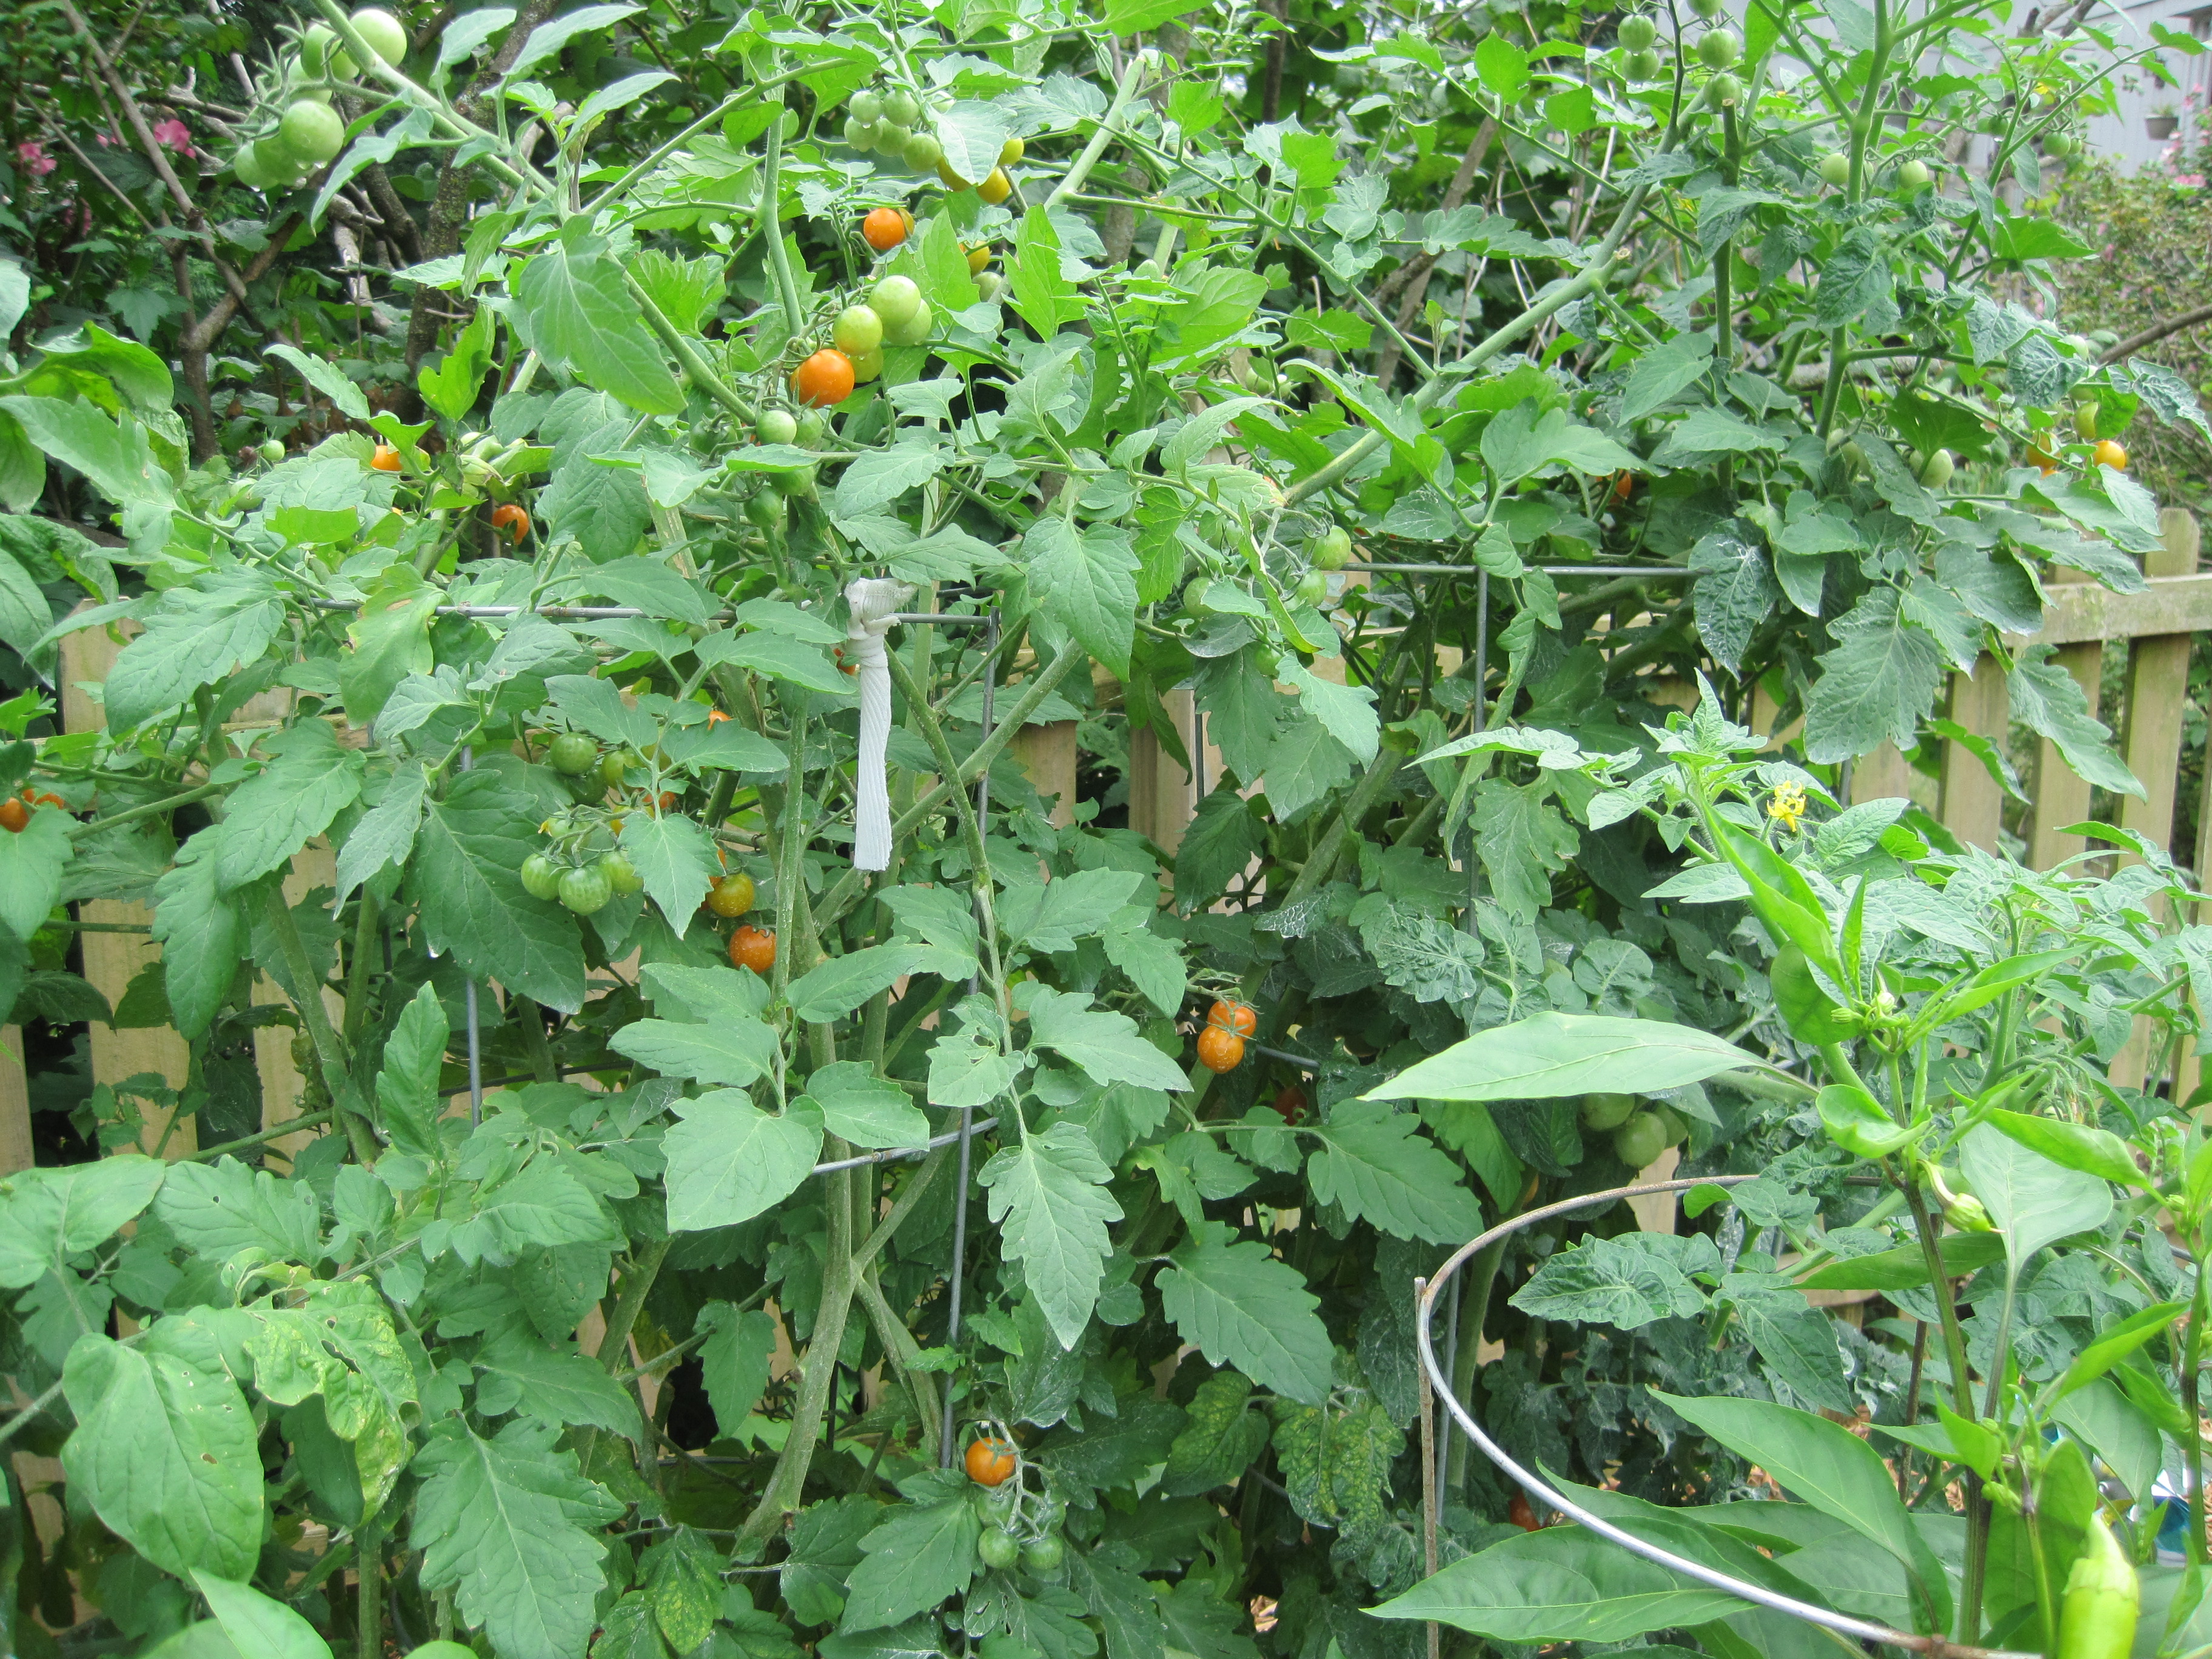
(874, 600)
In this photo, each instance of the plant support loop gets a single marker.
(1843, 1623)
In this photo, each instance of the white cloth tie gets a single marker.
(873, 601)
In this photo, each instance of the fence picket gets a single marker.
(1973, 801)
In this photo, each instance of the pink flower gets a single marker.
(173, 134)
(105, 140)
(35, 160)
(2193, 180)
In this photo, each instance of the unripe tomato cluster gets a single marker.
(889, 122)
(300, 132)
(1639, 1134)
(894, 313)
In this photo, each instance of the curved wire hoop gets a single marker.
(1843, 1624)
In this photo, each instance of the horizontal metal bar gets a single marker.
(1426, 1294)
(1670, 572)
(899, 1152)
(959, 618)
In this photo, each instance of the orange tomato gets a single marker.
(1221, 1050)
(14, 816)
(387, 458)
(996, 188)
(754, 948)
(2040, 457)
(1624, 485)
(732, 895)
(1521, 1516)
(1238, 1017)
(714, 715)
(510, 521)
(979, 258)
(990, 1462)
(1291, 1103)
(824, 379)
(884, 228)
(2108, 454)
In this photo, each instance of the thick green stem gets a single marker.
(329, 1048)
(363, 971)
(1969, 1624)
(1072, 180)
(787, 1484)
(771, 222)
(904, 1354)
(152, 808)
(1321, 864)
(636, 1285)
(2192, 1359)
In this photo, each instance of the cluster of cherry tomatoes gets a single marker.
(1221, 1044)
(894, 313)
(15, 810)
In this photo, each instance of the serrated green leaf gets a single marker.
(1244, 1307)
(1048, 1196)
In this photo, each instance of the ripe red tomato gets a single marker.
(885, 228)
(1238, 1017)
(754, 948)
(1221, 1050)
(1292, 1103)
(824, 379)
(990, 1462)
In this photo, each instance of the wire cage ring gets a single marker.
(1426, 1291)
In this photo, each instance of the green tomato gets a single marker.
(766, 508)
(813, 426)
(914, 330)
(1836, 168)
(1718, 48)
(315, 50)
(990, 285)
(1601, 1113)
(865, 106)
(1000, 1549)
(622, 875)
(1044, 1554)
(1635, 1143)
(858, 331)
(1678, 1126)
(891, 137)
(250, 169)
(1914, 175)
(541, 877)
(586, 890)
(573, 754)
(1194, 598)
(1638, 33)
(311, 133)
(383, 34)
(1725, 89)
(442, 1651)
(902, 106)
(776, 426)
(1643, 65)
(895, 299)
(798, 482)
(1332, 549)
(1936, 472)
(1312, 588)
(2058, 145)
(614, 767)
(272, 451)
(1709, 9)
(922, 152)
(860, 135)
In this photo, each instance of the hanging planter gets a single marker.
(2161, 126)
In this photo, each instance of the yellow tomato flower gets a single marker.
(1787, 805)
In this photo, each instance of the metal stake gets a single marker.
(475, 1044)
(968, 1113)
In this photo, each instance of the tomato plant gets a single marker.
(688, 558)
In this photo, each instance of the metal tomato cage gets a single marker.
(1436, 1382)
(964, 1136)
